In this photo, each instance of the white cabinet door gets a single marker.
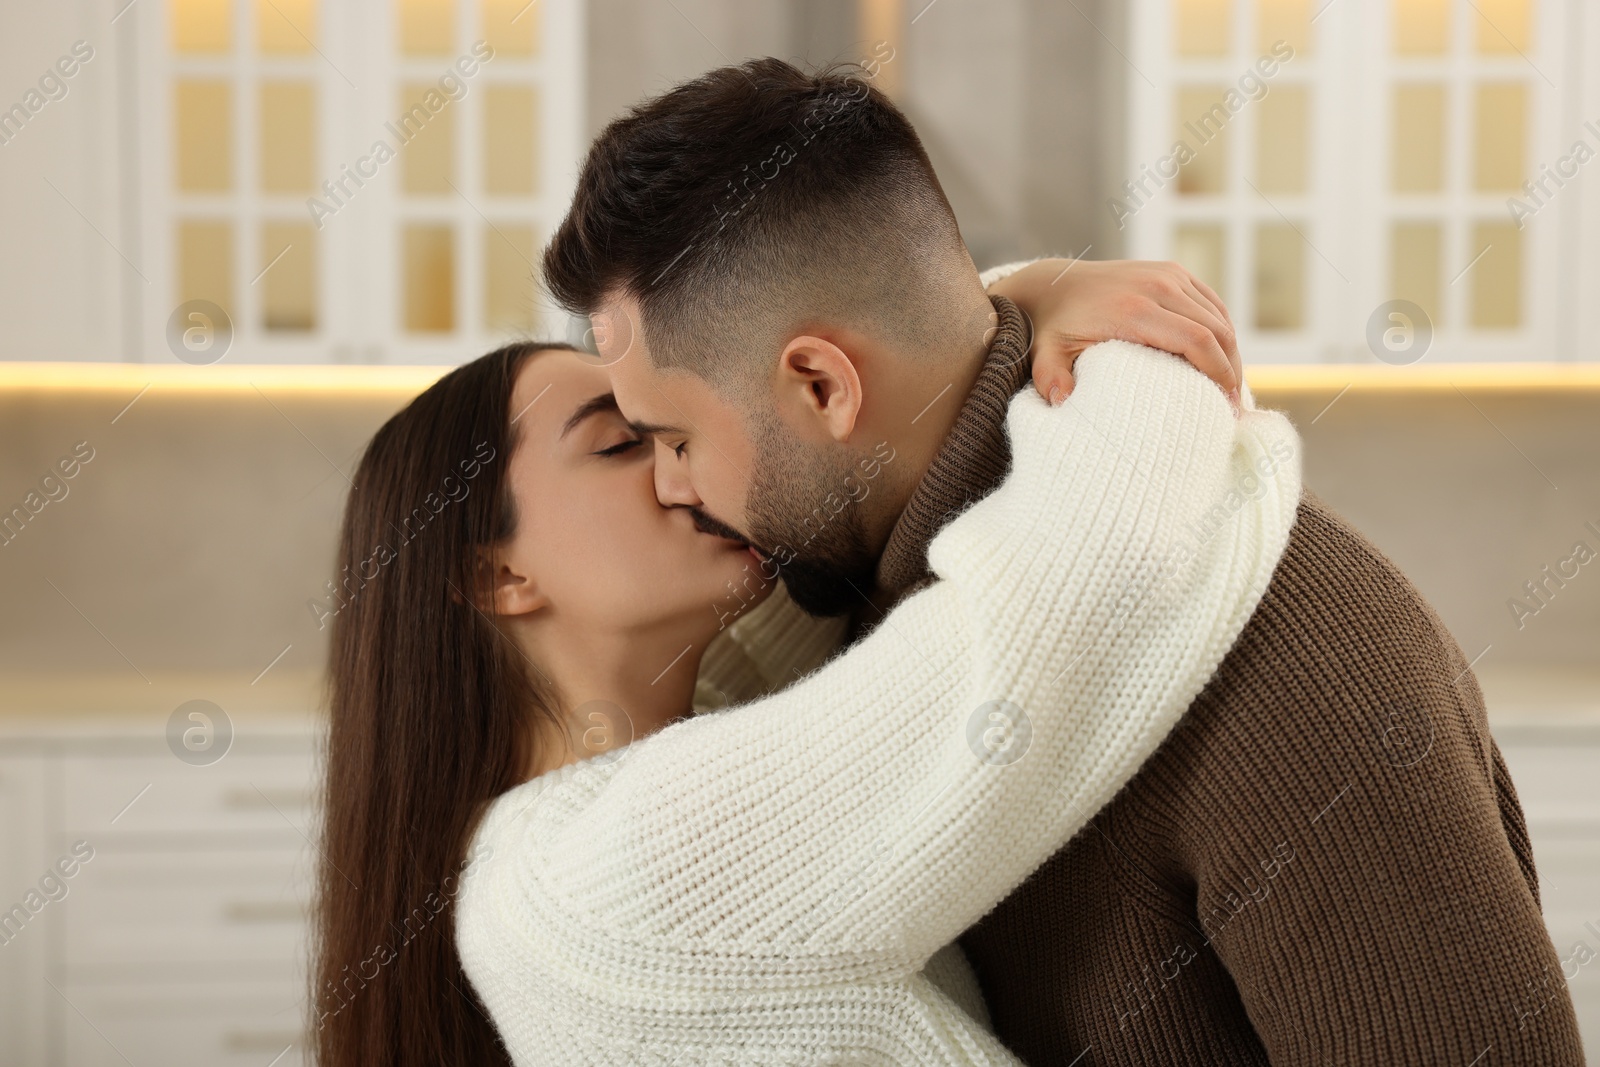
(1554, 772)
(143, 915)
(212, 1025)
(263, 796)
(179, 937)
(24, 941)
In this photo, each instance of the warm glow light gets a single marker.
(220, 378)
(1436, 377)
(412, 379)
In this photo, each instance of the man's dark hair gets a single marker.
(757, 199)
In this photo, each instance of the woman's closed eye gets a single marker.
(620, 447)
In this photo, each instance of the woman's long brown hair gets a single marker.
(429, 707)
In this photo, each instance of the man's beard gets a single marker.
(822, 556)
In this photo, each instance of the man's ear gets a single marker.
(501, 588)
(818, 386)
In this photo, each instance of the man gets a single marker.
(1324, 863)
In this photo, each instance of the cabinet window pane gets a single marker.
(508, 269)
(1421, 27)
(205, 262)
(882, 21)
(1284, 20)
(1283, 136)
(427, 27)
(1504, 27)
(1497, 277)
(1203, 123)
(204, 136)
(286, 27)
(1499, 112)
(1205, 27)
(511, 27)
(1202, 248)
(1415, 258)
(427, 122)
(509, 117)
(428, 266)
(1417, 150)
(288, 136)
(1280, 278)
(289, 286)
(201, 25)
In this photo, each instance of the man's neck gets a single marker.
(967, 455)
(918, 399)
(928, 405)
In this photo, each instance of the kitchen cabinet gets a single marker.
(182, 941)
(180, 936)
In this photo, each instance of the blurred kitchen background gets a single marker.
(238, 234)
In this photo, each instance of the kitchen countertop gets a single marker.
(126, 704)
(1525, 701)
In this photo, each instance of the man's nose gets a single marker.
(673, 488)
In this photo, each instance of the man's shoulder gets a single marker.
(1325, 552)
(1343, 665)
(1336, 603)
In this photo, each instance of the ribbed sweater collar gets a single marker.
(971, 462)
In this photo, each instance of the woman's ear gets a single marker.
(818, 386)
(500, 588)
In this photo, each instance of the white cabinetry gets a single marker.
(22, 951)
(181, 939)
(1554, 769)
(182, 942)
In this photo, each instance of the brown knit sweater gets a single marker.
(1325, 863)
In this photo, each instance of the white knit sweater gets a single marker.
(770, 883)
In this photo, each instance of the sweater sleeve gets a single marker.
(885, 802)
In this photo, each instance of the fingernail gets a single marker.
(1055, 395)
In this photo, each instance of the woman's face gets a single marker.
(590, 532)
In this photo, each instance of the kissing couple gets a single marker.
(850, 658)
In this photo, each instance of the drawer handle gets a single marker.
(253, 799)
(264, 911)
(260, 1040)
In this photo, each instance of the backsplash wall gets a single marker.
(205, 522)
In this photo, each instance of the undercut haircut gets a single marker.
(758, 201)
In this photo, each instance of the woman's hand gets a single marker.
(1077, 303)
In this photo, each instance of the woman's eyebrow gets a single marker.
(595, 405)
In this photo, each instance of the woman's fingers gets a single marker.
(1188, 334)
(1211, 295)
(1157, 327)
(1187, 329)
(1052, 367)
(1170, 288)
(1227, 336)
(1192, 304)
(1220, 321)
(1162, 305)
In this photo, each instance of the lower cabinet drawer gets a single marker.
(214, 1025)
(187, 916)
(104, 795)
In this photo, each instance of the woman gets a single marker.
(452, 708)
